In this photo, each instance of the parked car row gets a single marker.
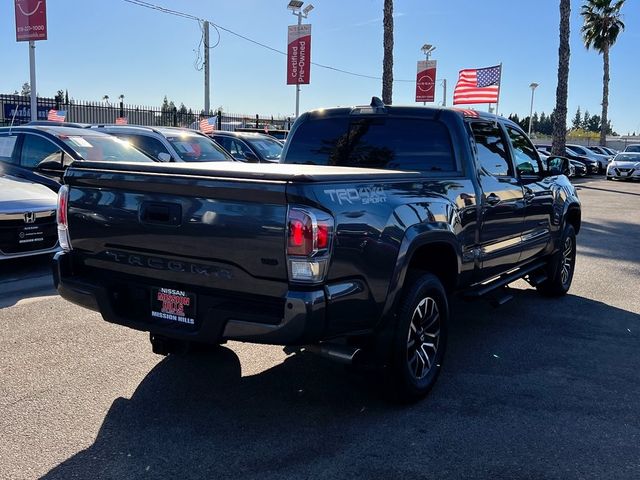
(41, 152)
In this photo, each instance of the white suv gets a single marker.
(169, 144)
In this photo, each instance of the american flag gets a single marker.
(121, 121)
(56, 115)
(478, 85)
(207, 125)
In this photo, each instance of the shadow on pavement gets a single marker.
(540, 388)
(604, 238)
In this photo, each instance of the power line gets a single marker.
(152, 6)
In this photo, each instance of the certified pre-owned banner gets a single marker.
(299, 55)
(426, 81)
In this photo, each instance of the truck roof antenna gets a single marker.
(376, 102)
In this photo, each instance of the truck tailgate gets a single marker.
(182, 228)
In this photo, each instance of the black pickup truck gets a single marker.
(352, 246)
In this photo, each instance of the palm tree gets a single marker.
(387, 62)
(560, 112)
(602, 25)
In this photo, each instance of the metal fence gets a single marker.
(16, 109)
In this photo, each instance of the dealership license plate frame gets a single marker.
(168, 306)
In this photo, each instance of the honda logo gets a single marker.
(30, 217)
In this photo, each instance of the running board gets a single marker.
(503, 280)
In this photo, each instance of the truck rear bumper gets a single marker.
(297, 318)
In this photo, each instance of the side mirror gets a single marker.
(251, 157)
(164, 157)
(50, 166)
(558, 166)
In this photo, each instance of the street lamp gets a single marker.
(427, 49)
(295, 6)
(533, 87)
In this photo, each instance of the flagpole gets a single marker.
(499, 88)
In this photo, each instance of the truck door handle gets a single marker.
(529, 195)
(493, 199)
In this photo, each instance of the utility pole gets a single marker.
(533, 87)
(32, 80)
(206, 67)
(444, 92)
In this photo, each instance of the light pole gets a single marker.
(427, 49)
(295, 6)
(533, 87)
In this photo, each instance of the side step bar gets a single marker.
(502, 281)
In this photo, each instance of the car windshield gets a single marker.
(626, 157)
(104, 147)
(198, 148)
(578, 150)
(632, 148)
(269, 149)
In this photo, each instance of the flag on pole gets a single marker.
(56, 115)
(478, 85)
(208, 125)
(121, 121)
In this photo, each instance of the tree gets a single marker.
(26, 89)
(564, 52)
(602, 25)
(387, 61)
(577, 120)
(594, 124)
(586, 120)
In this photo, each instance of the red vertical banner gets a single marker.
(426, 81)
(299, 55)
(31, 20)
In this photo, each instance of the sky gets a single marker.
(112, 47)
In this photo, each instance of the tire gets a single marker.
(416, 340)
(561, 266)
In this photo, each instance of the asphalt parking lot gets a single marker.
(538, 388)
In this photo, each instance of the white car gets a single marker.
(625, 166)
(27, 218)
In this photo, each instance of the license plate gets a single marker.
(173, 305)
(30, 235)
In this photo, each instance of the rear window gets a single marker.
(104, 148)
(375, 142)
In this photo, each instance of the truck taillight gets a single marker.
(61, 217)
(309, 235)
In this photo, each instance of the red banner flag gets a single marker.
(426, 81)
(31, 20)
(299, 55)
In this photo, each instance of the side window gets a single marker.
(149, 145)
(492, 151)
(35, 149)
(235, 147)
(7, 147)
(525, 156)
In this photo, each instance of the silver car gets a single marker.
(624, 166)
(27, 218)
